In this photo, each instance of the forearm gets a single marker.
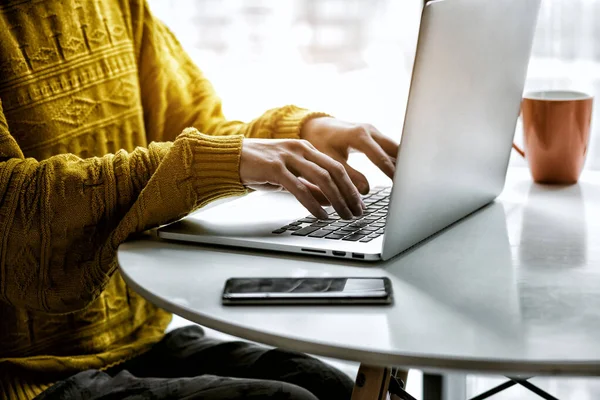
(278, 123)
(63, 218)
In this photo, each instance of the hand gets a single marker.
(297, 166)
(335, 138)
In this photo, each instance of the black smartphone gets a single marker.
(291, 291)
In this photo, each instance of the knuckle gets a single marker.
(361, 132)
(291, 145)
(369, 127)
(302, 189)
(336, 170)
(276, 166)
(323, 175)
(339, 169)
(305, 145)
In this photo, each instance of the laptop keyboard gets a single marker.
(359, 229)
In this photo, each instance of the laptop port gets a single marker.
(358, 255)
(315, 251)
(339, 253)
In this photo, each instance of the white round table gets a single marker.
(512, 289)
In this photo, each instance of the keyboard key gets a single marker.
(305, 231)
(341, 224)
(370, 228)
(335, 236)
(378, 224)
(320, 233)
(319, 224)
(372, 210)
(278, 231)
(307, 220)
(380, 231)
(296, 223)
(354, 237)
(294, 228)
(368, 239)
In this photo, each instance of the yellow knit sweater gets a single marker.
(95, 99)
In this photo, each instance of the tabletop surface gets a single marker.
(514, 288)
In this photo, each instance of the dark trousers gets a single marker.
(187, 365)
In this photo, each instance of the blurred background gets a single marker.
(353, 58)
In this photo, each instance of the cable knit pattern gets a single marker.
(100, 118)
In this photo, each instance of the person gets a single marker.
(107, 129)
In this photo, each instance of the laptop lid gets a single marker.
(464, 100)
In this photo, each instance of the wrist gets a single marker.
(213, 164)
(308, 124)
(291, 122)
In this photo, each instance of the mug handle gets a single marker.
(514, 146)
(518, 150)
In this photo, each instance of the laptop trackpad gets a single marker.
(256, 214)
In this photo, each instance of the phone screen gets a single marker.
(307, 291)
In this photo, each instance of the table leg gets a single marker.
(372, 383)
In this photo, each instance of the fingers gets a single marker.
(323, 179)
(314, 178)
(364, 142)
(360, 181)
(304, 195)
(334, 172)
(387, 144)
(316, 192)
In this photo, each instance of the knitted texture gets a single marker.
(100, 118)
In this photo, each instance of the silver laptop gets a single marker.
(468, 78)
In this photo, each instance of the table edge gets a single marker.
(369, 357)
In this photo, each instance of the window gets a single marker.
(355, 56)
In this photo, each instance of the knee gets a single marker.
(289, 391)
(321, 379)
(251, 389)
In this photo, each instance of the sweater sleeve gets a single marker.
(62, 219)
(176, 94)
